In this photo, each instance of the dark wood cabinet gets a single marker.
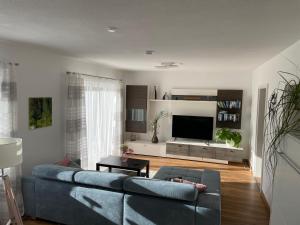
(229, 109)
(136, 108)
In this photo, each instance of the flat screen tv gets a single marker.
(194, 127)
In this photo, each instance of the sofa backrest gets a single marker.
(78, 176)
(55, 172)
(106, 180)
(161, 188)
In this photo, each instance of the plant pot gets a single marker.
(154, 137)
(228, 143)
(231, 143)
(124, 157)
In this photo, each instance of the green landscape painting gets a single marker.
(40, 112)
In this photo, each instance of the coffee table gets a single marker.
(117, 162)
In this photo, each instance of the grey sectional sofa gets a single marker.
(75, 197)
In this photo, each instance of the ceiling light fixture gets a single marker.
(149, 52)
(168, 65)
(112, 29)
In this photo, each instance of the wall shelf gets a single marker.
(229, 109)
(180, 101)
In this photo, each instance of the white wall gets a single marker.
(286, 201)
(166, 80)
(264, 75)
(41, 73)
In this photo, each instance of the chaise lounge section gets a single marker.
(76, 197)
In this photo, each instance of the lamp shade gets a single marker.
(10, 152)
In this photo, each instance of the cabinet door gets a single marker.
(231, 155)
(177, 149)
(136, 108)
(221, 153)
(147, 148)
(196, 151)
(203, 152)
(208, 153)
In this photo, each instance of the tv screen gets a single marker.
(194, 127)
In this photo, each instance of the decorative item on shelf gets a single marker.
(282, 118)
(225, 116)
(133, 137)
(154, 124)
(165, 97)
(236, 104)
(232, 138)
(10, 156)
(126, 151)
(155, 92)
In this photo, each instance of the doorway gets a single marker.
(260, 126)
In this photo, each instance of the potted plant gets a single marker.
(125, 151)
(282, 118)
(154, 124)
(232, 138)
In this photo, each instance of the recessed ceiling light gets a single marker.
(112, 29)
(149, 52)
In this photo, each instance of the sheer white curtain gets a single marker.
(103, 100)
(8, 110)
(94, 117)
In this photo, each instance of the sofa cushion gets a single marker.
(160, 188)
(55, 172)
(101, 179)
(167, 172)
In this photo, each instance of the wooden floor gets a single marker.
(241, 201)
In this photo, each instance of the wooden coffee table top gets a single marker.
(117, 162)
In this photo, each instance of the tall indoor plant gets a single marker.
(283, 116)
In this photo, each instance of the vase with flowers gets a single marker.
(154, 124)
(125, 152)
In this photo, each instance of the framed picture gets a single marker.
(40, 112)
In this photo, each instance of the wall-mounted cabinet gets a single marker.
(136, 108)
(229, 109)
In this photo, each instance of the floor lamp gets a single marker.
(10, 156)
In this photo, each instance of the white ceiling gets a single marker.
(201, 34)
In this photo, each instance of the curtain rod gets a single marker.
(15, 64)
(11, 63)
(88, 75)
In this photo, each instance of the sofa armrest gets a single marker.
(28, 190)
(211, 198)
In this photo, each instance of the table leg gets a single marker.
(109, 169)
(139, 173)
(147, 170)
(97, 167)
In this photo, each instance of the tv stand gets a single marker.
(204, 151)
(188, 149)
